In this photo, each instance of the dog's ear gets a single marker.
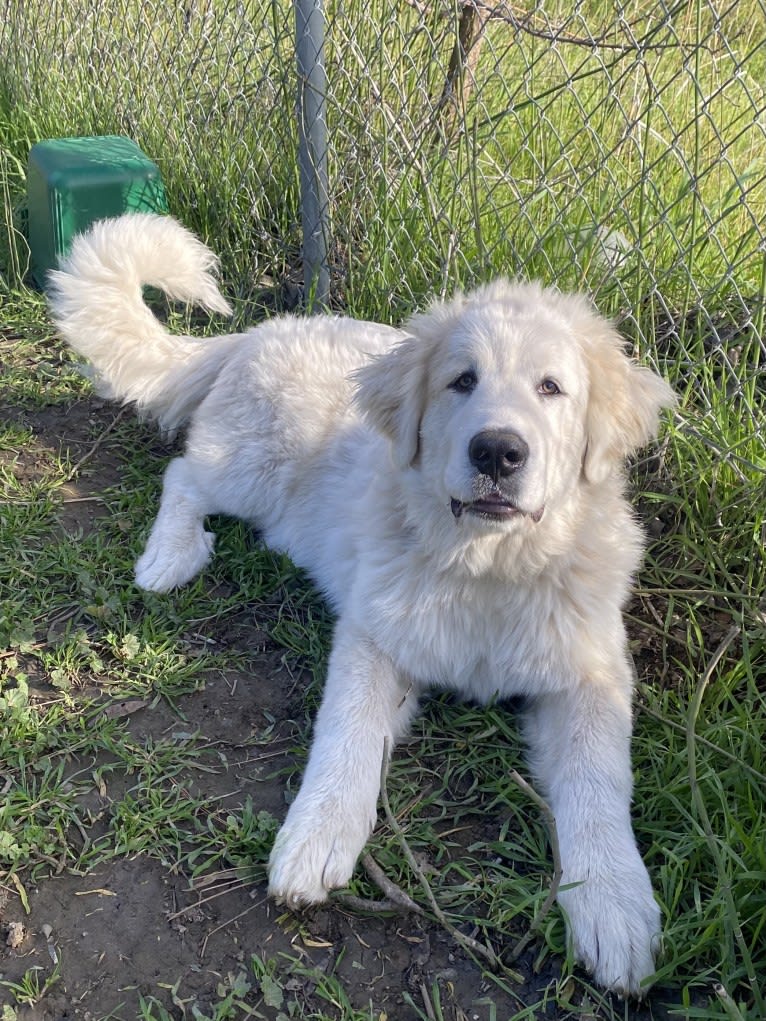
(392, 389)
(391, 393)
(624, 402)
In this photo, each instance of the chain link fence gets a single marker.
(619, 148)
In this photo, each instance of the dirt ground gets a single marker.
(134, 927)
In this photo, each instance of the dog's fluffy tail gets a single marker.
(97, 304)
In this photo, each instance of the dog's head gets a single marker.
(509, 397)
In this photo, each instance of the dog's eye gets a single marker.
(464, 383)
(549, 388)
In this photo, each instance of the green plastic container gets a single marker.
(71, 182)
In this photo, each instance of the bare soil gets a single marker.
(134, 928)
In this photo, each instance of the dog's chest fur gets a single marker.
(483, 637)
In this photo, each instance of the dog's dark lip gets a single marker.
(493, 506)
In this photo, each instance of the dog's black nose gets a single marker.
(498, 453)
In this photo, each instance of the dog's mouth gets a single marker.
(493, 507)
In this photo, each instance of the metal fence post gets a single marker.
(312, 149)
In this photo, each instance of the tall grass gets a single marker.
(628, 164)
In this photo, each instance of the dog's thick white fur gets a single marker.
(455, 489)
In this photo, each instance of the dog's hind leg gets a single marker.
(178, 546)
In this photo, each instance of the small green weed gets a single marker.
(32, 988)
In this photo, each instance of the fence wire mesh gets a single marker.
(619, 148)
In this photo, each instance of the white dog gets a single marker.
(455, 489)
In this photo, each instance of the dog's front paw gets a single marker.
(169, 563)
(614, 926)
(313, 854)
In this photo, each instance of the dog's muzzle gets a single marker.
(497, 455)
